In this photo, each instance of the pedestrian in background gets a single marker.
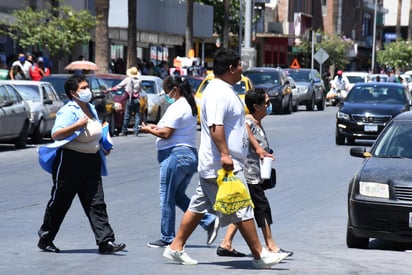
(77, 169)
(133, 87)
(38, 70)
(223, 144)
(23, 64)
(258, 104)
(177, 156)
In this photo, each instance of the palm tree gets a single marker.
(410, 21)
(102, 38)
(131, 34)
(398, 21)
(225, 35)
(189, 26)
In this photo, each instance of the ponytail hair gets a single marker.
(185, 90)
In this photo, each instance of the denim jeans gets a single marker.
(177, 167)
(132, 105)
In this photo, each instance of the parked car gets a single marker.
(194, 81)
(120, 99)
(352, 78)
(276, 84)
(380, 193)
(382, 77)
(44, 103)
(311, 88)
(156, 101)
(295, 93)
(368, 108)
(102, 100)
(241, 87)
(14, 116)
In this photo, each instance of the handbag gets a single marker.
(270, 183)
(232, 194)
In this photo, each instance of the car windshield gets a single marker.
(300, 76)
(355, 79)
(395, 142)
(263, 77)
(149, 86)
(29, 92)
(376, 94)
(240, 88)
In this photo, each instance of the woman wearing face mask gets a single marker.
(77, 169)
(258, 103)
(177, 156)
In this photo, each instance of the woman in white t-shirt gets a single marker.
(177, 156)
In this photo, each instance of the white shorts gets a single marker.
(205, 198)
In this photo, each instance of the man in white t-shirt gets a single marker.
(23, 64)
(224, 144)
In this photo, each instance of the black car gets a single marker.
(380, 193)
(311, 88)
(101, 99)
(368, 108)
(276, 84)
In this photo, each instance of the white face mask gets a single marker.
(85, 95)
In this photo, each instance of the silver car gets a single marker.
(44, 103)
(157, 104)
(14, 116)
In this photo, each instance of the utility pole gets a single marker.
(374, 37)
(248, 53)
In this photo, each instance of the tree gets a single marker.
(225, 34)
(55, 29)
(131, 34)
(398, 21)
(410, 21)
(102, 38)
(336, 46)
(397, 55)
(189, 26)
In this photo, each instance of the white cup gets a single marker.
(266, 167)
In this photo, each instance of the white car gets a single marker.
(156, 102)
(44, 102)
(355, 77)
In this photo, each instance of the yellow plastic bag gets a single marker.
(232, 194)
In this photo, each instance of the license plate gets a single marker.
(410, 219)
(371, 128)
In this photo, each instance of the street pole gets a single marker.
(240, 26)
(374, 37)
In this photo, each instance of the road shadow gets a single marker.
(389, 245)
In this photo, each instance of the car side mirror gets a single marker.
(359, 152)
(48, 101)
(6, 103)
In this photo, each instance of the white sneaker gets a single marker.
(178, 256)
(268, 259)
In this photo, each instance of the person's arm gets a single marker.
(217, 133)
(65, 132)
(163, 133)
(253, 143)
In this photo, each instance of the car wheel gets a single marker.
(37, 137)
(355, 242)
(321, 104)
(295, 107)
(21, 141)
(340, 140)
(288, 108)
(310, 105)
(158, 115)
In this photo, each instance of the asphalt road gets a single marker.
(308, 206)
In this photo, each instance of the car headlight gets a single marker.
(342, 115)
(374, 189)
